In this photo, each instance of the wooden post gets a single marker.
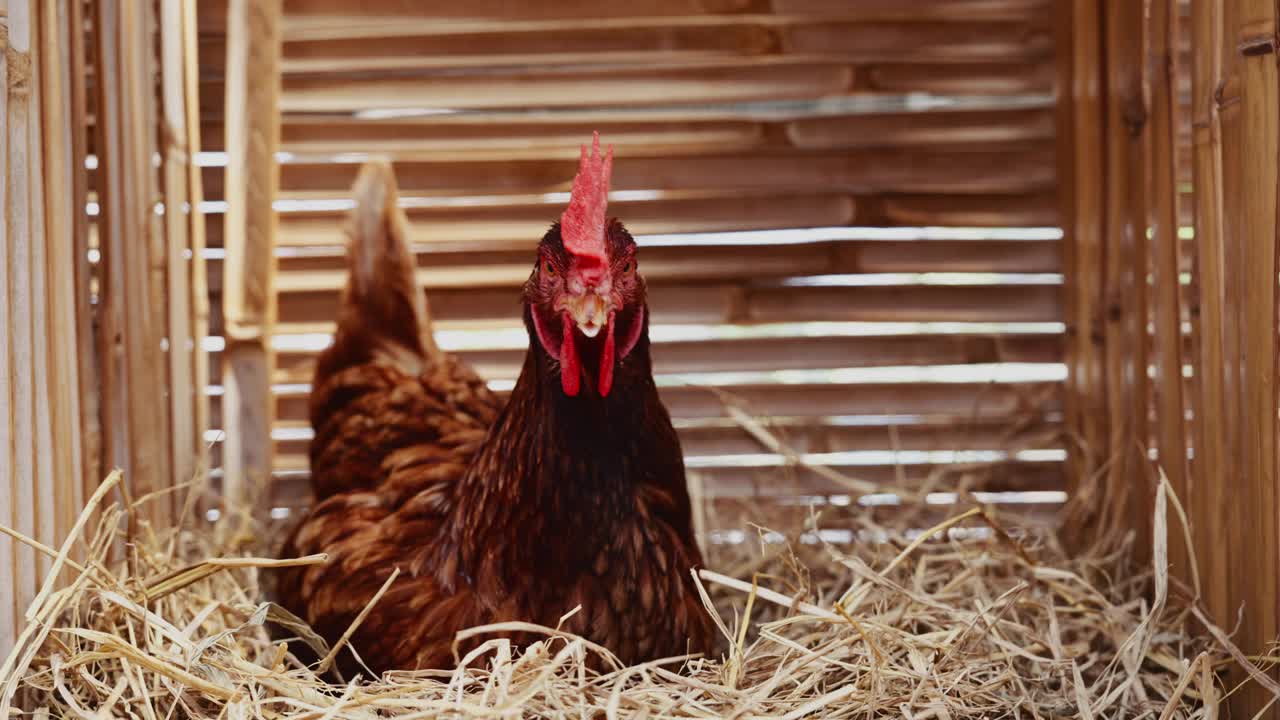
(199, 283)
(1207, 502)
(1161, 153)
(253, 134)
(8, 421)
(1255, 532)
(177, 205)
(1082, 180)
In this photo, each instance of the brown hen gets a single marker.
(572, 493)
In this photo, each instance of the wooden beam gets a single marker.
(253, 128)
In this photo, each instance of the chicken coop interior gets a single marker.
(1014, 254)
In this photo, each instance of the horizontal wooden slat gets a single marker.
(932, 170)
(291, 487)
(499, 264)
(809, 435)
(454, 137)
(634, 86)
(528, 217)
(974, 400)
(958, 79)
(763, 354)
(331, 18)
(730, 303)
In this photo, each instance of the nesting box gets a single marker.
(1021, 252)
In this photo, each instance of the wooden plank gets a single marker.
(1081, 165)
(460, 136)
(176, 156)
(60, 391)
(751, 353)
(507, 264)
(253, 127)
(21, 333)
(1164, 243)
(1014, 170)
(328, 18)
(9, 319)
(797, 484)
(723, 436)
(970, 400)
(89, 391)
(1208, 502)
(46, 487)
(1128, 488)
(632, 86)
(447, 136)
(922, 128)
(199, 303)
(1255, 40)
(729, 302)
(959, 79)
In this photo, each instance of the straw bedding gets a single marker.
(969, 618)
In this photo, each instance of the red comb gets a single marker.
(582, 224)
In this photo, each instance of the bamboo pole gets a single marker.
(1162, 151)
(1208, 501)
(1259, 126)
(1081, 168)
(1127, 487)
(253, 132)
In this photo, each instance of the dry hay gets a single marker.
(959, 621)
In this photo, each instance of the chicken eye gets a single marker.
(548, 268)
(628, 267)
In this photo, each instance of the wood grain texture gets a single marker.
(252, 98)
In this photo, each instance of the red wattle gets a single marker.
(570, 370)
(606, 360)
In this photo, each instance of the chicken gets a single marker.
(571, 494)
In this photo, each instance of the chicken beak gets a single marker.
(589, 311)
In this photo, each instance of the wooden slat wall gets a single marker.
(43, 431)
(1173, 133)
(770, 119)
(98, 342)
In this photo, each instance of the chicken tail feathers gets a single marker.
(383, 309)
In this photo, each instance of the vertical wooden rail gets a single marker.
(132, 309)
(199, 283)
(177, 159)
(1256, 539)
(1127, 488)
(1207, 499)
(1162, 152)
(1080, 160)
(18, 220)
(40, 317)
(253, 134)
(8, 423)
